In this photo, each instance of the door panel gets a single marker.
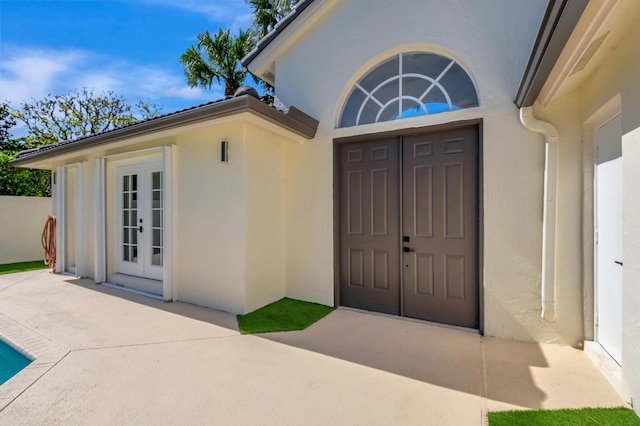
(369, 226)
(609, 237)
(440, 211)
(139, 221)
(436, 255)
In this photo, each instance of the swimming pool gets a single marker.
(11, 362)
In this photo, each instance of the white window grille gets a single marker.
(409, 85)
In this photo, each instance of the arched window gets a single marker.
(409, 85)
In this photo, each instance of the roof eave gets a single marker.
(559, 21)
(279, 27)
(295, 121)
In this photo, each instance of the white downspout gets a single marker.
(549, 215)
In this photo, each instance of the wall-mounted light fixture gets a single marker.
(224, 151)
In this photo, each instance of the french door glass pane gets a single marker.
(129, 215)
(157, 228)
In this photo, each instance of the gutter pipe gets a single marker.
(549, 217)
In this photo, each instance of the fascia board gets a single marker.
(558, 23)
(295, 121)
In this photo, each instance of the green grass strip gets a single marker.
(581, 417)
(284, 315)
(12, 268)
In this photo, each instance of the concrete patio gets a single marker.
(112, 357)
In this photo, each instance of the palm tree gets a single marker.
(218, 59)
(267, 13)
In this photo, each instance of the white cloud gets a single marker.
(33, 73)
(27, 73)
(218, 11)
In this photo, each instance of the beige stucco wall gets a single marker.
(265, 231)
(229, 216)
(492, 41)
(22, 220)
(210, 218)
(631, 273)
(569, 322)
(615, 81)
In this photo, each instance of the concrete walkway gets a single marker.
(127, 359)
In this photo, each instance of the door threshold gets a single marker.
(607, 365)
(419, 321)
(133, 290)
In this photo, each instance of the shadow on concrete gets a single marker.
(509, 374)
(441, 356)
(199, 313)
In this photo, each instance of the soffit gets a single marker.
(558, 23)
(600, 30)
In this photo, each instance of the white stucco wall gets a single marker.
(22, 220)
(492, 42)
(614, 82)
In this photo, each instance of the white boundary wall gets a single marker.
(21, 222)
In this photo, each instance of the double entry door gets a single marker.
(408, 226)
(140, 221)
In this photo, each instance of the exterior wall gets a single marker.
(569, 239)
(265, 231)
(229, 229)
(618, 76)
(309, 212)
(21, 222)
(316, 75)
(631, 274)
(210, 219)
(614, 81)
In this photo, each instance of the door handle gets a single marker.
(408, 249)
(140, 228)
(618, 262)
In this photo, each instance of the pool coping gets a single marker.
(43, 352)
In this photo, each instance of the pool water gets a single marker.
(11, 362)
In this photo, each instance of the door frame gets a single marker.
(105, 174)
(145, 269)
(406, 132)
(600, 115)
(607, 114)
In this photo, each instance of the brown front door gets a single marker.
(370, 226)
(430, 269)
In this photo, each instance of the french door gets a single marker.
(140, 221)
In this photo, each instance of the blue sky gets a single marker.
(129, 46)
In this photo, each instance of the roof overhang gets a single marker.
(260, 61)
(558, 23)
(295, 121)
